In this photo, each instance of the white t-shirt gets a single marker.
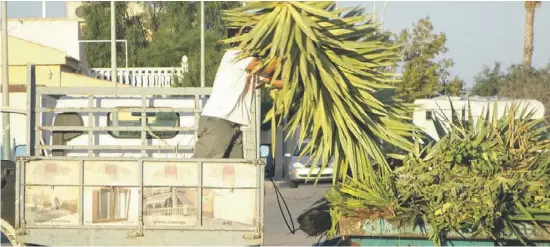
(231, 98)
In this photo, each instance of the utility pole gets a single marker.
(382, 15)
(43, 8)
(113, 44)
(374, 10)
(6, 139)
(202, 46)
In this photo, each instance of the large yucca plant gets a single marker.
(333, 69)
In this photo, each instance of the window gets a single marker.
(160, 119)
(20, 151)
(71, 119)
(429, 115)
(264, 151)
(110, 205)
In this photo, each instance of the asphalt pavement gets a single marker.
(299, 199)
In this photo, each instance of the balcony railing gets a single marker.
(178, 211)
(140, 77)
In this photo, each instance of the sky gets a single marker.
(478, 32)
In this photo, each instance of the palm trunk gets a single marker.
(529, 33)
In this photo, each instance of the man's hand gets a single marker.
(266, 74)
(274, 83)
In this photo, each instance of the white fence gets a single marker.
(140, 77)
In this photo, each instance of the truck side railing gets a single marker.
(95, 200)
(37, 110)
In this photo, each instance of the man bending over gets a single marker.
(228, 109)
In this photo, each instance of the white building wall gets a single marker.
(61, 34)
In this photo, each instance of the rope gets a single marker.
(279, 195)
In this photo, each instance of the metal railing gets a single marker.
(141, 77)
(142, 171)
(177, 211)
(38, 111)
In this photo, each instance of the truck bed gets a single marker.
(127, 201)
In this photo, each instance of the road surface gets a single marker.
(298, 200)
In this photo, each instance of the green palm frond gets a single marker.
(332, 78)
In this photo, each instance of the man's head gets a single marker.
(236, 31)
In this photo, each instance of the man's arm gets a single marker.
(270, 69)
(266, 73)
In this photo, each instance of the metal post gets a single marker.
(43, 8)
(113, 44)
(126, 52)
(374, 10)
(31, 105)
(6, 139)
(202, 45)
(382, 15)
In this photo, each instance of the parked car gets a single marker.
(300, 167)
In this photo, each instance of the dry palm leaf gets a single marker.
(334, 73)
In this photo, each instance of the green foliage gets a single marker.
(454, 87)
(487, 82)
(482, 177)
(518, 82)
(331, 82)
(160, 36)
(98, 27)
(425, 73)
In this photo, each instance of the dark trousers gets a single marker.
(218, 138)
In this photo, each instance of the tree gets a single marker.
(522, 82)
(424, 71)
(487, 82)
(530, 7)
(518, 82)
(160, 36)
(97, 25)
(454, 87)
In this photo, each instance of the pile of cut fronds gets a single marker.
(485, 177)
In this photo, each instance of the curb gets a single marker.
(278, 183)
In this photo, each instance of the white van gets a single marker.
(157, 141)
(426, 110)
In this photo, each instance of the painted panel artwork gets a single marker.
(170, 174)
(51, 205)
(170, 206)
(111, 173)
(229, 208)
(111, 205)
(229, 175)
(52, 172)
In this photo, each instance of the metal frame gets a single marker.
(146, 233)
(139, 234)
(91, 93)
